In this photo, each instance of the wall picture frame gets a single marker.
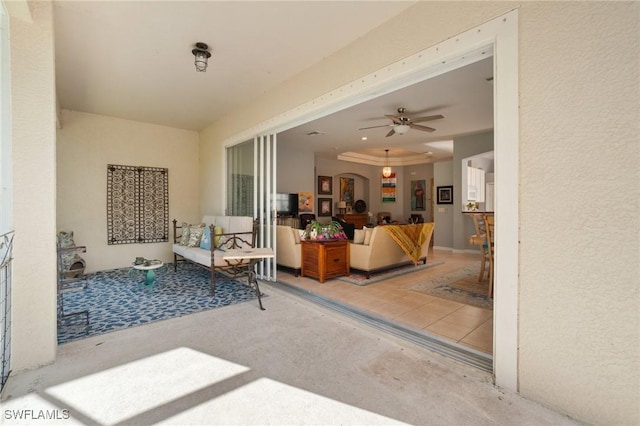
(325, 207)
(325, 185)
(418, 195)
(346, 190)
(445, 194)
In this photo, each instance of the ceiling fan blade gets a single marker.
(391, 133)
(428, 118)
(394, 118)
(374, 127)
(423, 128)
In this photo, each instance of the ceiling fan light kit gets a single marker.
(202, 55)
(402, 129)
(401, 123)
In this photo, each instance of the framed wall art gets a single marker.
(137, 204)
(346, 190)
(325, 207)
(445, 194)
(418, 195)
(388, 189)
(305, 202)
(325, 185)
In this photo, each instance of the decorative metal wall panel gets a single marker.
(137, 204)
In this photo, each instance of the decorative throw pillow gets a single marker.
(296, 235)
(205, 241)
(217, 231)
(358, 236)
(367, 236)
(195, 235)
(184, 238)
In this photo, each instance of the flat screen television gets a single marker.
(287, 205)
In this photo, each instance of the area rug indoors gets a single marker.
(117, 300)
(461, 286)
(359, 278)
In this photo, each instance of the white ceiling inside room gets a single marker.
(133, 60)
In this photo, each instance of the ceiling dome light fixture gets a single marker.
(202, 54)
(386, 170)
(401, 129)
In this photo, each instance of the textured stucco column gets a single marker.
(33, 340)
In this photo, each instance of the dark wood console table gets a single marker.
(357, 219)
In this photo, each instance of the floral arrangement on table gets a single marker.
(316, 231)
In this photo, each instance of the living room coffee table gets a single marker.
(149, 270)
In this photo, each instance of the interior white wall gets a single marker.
(33, 303)
(578, 66)
(87, 143)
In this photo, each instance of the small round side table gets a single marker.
(149, 271)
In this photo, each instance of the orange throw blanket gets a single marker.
(410, 238)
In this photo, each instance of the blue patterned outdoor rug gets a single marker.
(359, 278)
(117, 299)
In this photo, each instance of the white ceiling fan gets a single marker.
(401, 123)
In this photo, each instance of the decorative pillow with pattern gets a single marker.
(195, 235)
(184, 238)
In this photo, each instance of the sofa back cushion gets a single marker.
(230, 224)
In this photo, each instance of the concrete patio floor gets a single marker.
(295, 363)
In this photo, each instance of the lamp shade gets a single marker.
(342, 204)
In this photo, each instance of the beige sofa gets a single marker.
(288, 252)
(382, 252)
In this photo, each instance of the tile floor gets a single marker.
(465, 324)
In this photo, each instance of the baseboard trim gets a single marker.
(431, 342)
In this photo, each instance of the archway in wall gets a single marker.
(361, 189)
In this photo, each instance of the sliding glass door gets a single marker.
(251, 189)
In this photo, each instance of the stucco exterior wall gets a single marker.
(87, 143)
(34, 181)
(579, 109)
(578, 309)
